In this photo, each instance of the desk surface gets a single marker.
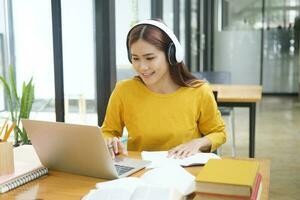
(59, 185)
(238, 93)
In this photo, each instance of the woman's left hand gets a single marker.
(189, 148)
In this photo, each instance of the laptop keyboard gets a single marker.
(123, 169)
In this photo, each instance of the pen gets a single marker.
(124, 139)
(7, 132)
(3, 126)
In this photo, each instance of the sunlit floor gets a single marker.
(277, 138)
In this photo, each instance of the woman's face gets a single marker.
(150, 63)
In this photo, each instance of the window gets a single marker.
(127, 14)
(34, 53)
(168, 14)
(79, 61)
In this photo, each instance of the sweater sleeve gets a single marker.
(211, 124)
(114, 119)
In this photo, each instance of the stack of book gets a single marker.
(229, 179)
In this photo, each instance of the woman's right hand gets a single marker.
(115, 147)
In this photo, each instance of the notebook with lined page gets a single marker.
(27, 168)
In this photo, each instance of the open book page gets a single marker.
(165, 183)
(159, 159)
(108, 194)
(142, 192)
(171, 176)
(151, 192)
(121, 189)
(129, 183)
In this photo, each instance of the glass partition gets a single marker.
(281, 46)
(237, 39)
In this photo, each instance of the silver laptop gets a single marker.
(79, 149)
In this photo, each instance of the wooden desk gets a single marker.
(59, 185)
(241, 96)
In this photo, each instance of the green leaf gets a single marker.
(23, 135)
(13, 85)
(25, 138)
(8, 93)
(18, 107)
(14, 93)
(26, 100)
(17, 134)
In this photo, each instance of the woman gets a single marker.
(165, 107)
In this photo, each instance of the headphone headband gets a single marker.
(178, 48)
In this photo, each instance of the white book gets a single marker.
(27, 168)
(165, 183)
(160, 158)
(150, 192)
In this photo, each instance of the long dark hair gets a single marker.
(153, 35)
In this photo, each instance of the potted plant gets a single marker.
(18, 106)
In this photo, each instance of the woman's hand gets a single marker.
(115, 147)
(190, 148)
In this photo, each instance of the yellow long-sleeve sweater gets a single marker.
(162, 121)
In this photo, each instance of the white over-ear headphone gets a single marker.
(175, 50)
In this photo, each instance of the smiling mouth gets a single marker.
(147, 75)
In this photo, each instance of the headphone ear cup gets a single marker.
(171, 54)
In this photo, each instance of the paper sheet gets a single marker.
(159, 159)
(172, 176)
(121, 189)
(164, 183)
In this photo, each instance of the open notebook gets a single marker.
(27, 168)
